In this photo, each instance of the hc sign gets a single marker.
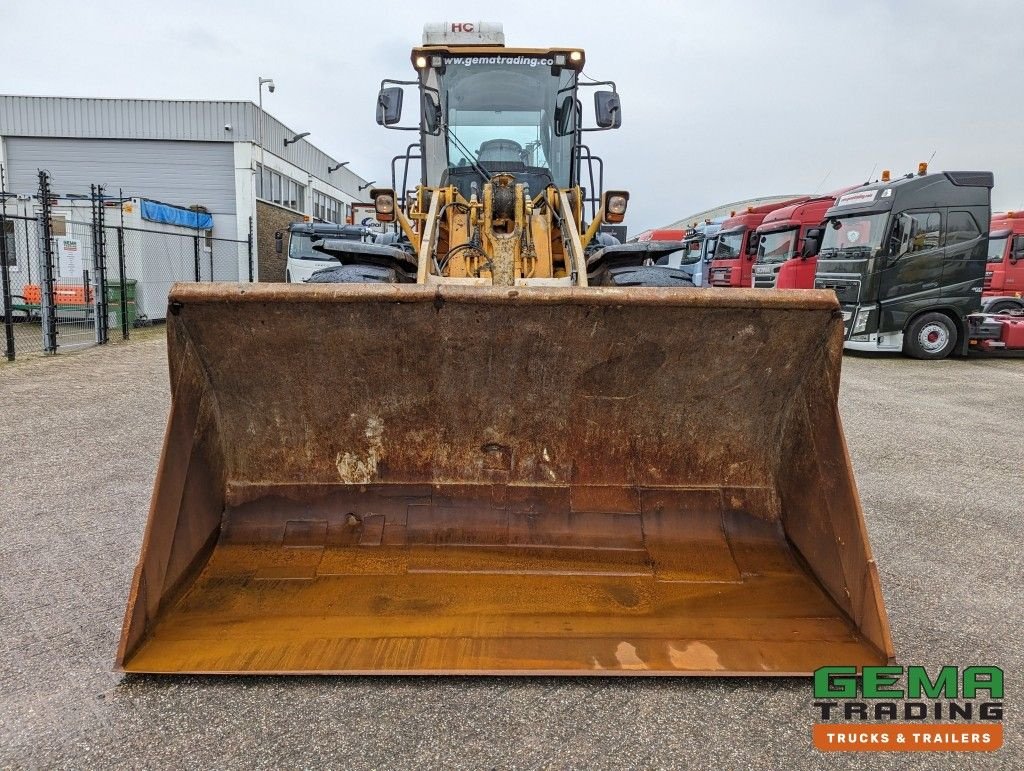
(462, 26)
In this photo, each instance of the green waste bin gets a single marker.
(114, 303)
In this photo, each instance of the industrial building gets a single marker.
(228, 158)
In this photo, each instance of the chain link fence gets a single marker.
(74, 274)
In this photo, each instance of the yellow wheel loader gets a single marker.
(497, 441)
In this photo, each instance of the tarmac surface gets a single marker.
(937, 448)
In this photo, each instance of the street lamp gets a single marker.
(269, 83)
(296, 138)
(363, 187)
(337, 166)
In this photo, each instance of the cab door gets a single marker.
(911, 276)
(966, 254)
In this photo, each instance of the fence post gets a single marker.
(5, 270)
(124, 284)
(49, 310)
(99, 260)
(250, 251)
(195, 251)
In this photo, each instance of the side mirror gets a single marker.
(812, 243)
(389, 105)
(1017, 252)
(279, 242)
(565, 117)
(711, 249)
(753, 241)
(607, 109)
(431, 112)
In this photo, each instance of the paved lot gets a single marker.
(937, 450)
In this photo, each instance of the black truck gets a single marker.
(906, 259)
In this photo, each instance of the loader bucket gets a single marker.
(424, 480)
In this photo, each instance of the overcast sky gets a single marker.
(721, 100)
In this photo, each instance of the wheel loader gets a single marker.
(497, 441)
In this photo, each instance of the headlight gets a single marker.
(863, 315)
(384, 204)
(615, 203)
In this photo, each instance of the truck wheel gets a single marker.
(1002, 307)
(930, 336)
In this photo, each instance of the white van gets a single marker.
(303, 259)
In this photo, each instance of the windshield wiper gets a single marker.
(467, 153)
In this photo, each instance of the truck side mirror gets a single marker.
(565, 116)
(753, 241)
(1017, 252)
(431, 112)
(902, 236)
(812, 243)
(279, 242)
(389, 105)
(607, 109)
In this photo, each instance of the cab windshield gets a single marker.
(853, 236)
(778, 246)
(693, 251)
(500, 115)
(996, 248)
(729, 245)
(300, 247)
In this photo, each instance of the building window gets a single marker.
(277, 188)
(328, 209)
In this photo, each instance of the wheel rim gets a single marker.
(933, 337)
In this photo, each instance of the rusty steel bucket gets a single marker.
(423, 480)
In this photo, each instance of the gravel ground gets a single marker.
(936, 448)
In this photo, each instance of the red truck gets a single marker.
(782, 261)
(1003, 289)
(737, 244)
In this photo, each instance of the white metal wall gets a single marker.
(179, 173)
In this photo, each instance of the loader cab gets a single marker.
(906, 260)
(487, 109)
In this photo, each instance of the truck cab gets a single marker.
(1003, 289)
(906, 259)
(737, 245)
(303, 259)
(698, 247)
(786, 259)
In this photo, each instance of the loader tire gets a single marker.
(650, 275)
(930, 336)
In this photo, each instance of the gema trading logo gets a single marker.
(905, 709)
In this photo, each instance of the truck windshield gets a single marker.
(729, 245)
(777, 246)
(693, 251)
(853, 236)
(300, 247)
(500, 113)
(996, 248)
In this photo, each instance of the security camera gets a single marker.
(270, 88)
(227, 127)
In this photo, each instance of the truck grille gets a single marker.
(721, 276)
